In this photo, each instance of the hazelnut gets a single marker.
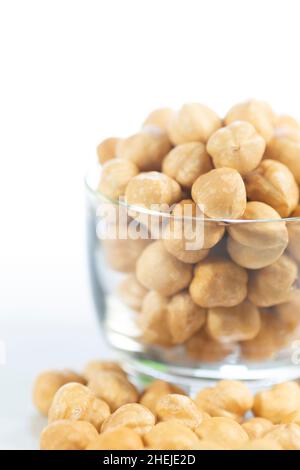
(258, 113)
(218, 282)
(225, 432)
(152, 189)
(229, 399)
(193, 123)
(156, 390)
(289, 312)
(220, 193)
(115, 177)
(272, 285)
(132, 415)
(184, 317)
(131, 292)
(201, 347)
(261, 444)
(46, 385)
(285, 147)
(122, 254)
(106, 150)
(95, 367)
(229, 324)
(237, 146)
(286, 121)
(170, 435)
(160, 118)
(278, 402)
(153, 320)
(286, 435)
(179, 408)
(76, 402)
(294, 234)
(146, 149)
(186, 162)
(122, 438)
(293, 417)
(256, 428)
(66, 434)
(157, 269)
(252, 257)
(113, 388)
(273, 183)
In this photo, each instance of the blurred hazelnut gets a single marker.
(273, 183)
(201, 347)
(122, 254)
(160, 118)
(237, 146)
(287, 436)
(122, 438)
(95, 367)
(153, 320)
(156, 390)
(263, 443)
(257, 427)
(286, 121)
(186, 162)
(294, 234)
(115, 177)
(220, 193)
(66, 434)
(132, 415)
(170, 435)
(289, 312)
(131, 292)
(223, 431)
(106, 150)
(179, 408)
(278, 402)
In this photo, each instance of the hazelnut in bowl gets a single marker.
(194, 244)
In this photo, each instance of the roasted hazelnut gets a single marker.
(225, 432)
(179, 408)
(122, 254)
(230, 324)
(294, 234)
(286, 121)
(133, 415)
(115, 177)
(106, 150)
(237, 146)
(286, 435)
(122, 438)
(264, 443)
(170, 435)
(157, 269)
(278, 402)
(285, 147)
(156, 390)
(66, 434)
(153, 320)
(113, 388)
(160, 118)
(218, 282)
(293, 417)
(184, 317)
(272, 285)
(229, 398)
(194, 122)
(220, 193)
(146, 149)
(131, 292)
(95, 367)
(289, 312)
(256, 428)
(201, 347)
(258, 113)
(186, 162)
(273, 183)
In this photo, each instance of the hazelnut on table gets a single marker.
(156, 390)
(278, 402)
(180, 408)
(66, 434)
(133, 415)
(170, 435)
(225, 432)
(122, 438)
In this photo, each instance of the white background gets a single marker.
(71, 73)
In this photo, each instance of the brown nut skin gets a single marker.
(156, 390)
(218, 282)
(186, 162)
(171, 435)
(95, 367)
(107, 149)
(220, 193)
(122, 438)
(131, 292)
(157, 269)
(113, 388)
(122, 254)
(115, 177)
(229, 399)
(146, 149)
(133, 415)
(153, 320)
(258, 113)
(237, 146)
(77, 402)
(273, 183)
(256, 428)
(230, 324)
(66, 434)
(152, 189)
(160, 117)
(200, 347)
(285, 147)
(272, 285)
(294, 234)
(184, 317)
(278, 402)
(286, 435)
(225, 432)
(264, 443)
(46, 385)
(187, 236)
(194, 122)
(179, 408)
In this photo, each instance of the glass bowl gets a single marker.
(246, 328)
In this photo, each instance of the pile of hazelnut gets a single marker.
(237, 292)
(103, 410)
